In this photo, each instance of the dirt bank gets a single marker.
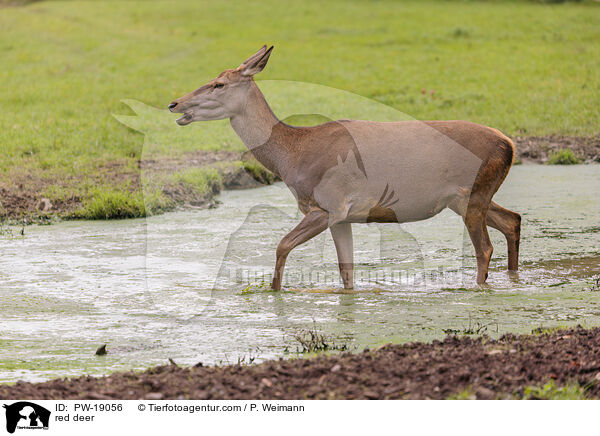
(22, 194)
(478, 368)
(536, 149)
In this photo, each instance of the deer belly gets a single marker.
(401, 184)
(383, 203)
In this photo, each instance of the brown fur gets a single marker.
(380, 214)
(298, 149)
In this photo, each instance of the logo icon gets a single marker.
(26, 415)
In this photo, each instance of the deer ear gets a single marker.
(255, 64)
(255, 56)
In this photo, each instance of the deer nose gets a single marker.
(172, 106)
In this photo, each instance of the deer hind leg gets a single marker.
(473, 207)
(509, 223)
(499, 218)
(314, 222)
(473, 210)
(342, 237)
(490, 176)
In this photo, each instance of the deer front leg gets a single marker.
(342, 237)
(313, 223)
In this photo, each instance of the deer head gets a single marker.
(224, 96)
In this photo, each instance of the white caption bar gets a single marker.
(149, 417)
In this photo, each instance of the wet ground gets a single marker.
(177, 285)
(457, 367)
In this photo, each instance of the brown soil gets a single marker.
(189, 160)
(488, 368)
(21, 193)
(536, 149)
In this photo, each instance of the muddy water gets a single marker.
(177, 285)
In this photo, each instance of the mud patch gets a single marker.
(536, 149)
(188, 160)
(501, 368)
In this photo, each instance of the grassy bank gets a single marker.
(526, 68)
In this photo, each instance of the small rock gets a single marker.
(336, 367)
(494, 352)
(268, 383)
(154, 396)
(371, 395)
(393, 390)
(484, 393)
(512, 351)
(597, 376)
(201, 395)
(44, 205)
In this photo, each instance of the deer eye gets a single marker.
(219, 85)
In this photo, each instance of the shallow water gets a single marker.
(174, 286)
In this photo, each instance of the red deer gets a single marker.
(350, 171)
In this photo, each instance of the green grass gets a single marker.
(541, 330)
(258, 171)
(114, 203)
(549, 391)
(524, 67)
(552, 392)
(563, 156)
(313, 341)
(255, 288)
(201, 179)
(465, 394)
(109, 202)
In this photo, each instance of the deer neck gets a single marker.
(254, 125)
